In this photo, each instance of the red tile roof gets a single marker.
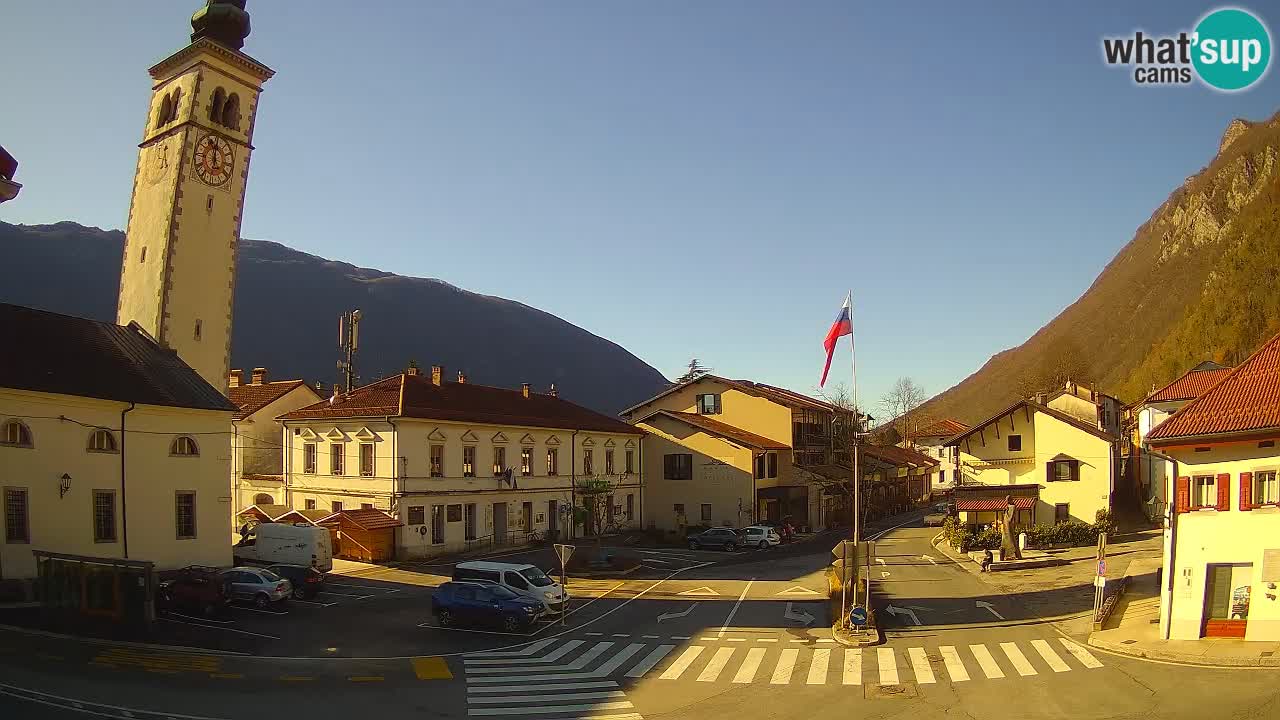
(415, 396)
(895, 455)
(249, 399)
(994, 504)
(365, 519)
(724, 430)
(1246, 400)
(779, 395)
(945, 427)
(1188, 387)
(1051, 412)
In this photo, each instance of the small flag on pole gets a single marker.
(841, 327)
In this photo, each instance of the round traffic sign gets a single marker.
(858, 616)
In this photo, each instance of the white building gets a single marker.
(257, 437)
(932, 441)
(1154, 471)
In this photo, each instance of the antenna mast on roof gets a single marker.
(349, 343)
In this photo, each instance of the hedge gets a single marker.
(1072, 533)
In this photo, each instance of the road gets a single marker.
(680, 639)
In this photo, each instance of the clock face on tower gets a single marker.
(213, 160)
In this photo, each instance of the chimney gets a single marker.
(259, 376)
(236, 379)
(462, 378)
(552, 392)
(524, 389)
(437, 374)
(411, 370)
(319, 388)
(333, 399)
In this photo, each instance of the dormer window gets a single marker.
(709, 404)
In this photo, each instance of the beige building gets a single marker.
(110, 446)
(257, 437)
(1222, 534)
(461, 465)
(735, 452)
(1029, 443)
(932, 441)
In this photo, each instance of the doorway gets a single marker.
(499, 523)
(469, 521)
(552, 520)
(1226, 600)
(526, 516)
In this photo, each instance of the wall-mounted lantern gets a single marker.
(64, 485)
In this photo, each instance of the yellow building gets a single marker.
(735, 452)
(110, 446)
(1222, 552)
(1072, 461)
(461, 465)
(257, 437)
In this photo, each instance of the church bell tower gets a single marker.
(179, 270)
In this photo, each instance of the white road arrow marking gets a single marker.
(802, 617)
(668, 616)
(884, 574)
(880, 561)
(896, 611)
(929, 558)
(704, 590)
(990, 609)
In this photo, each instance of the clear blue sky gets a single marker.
(687, 179)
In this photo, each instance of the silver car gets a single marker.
(257, 585)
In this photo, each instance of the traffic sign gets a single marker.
(1102, 567)
(858, 616)
(563, 552)
(845, 548)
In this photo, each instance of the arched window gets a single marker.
(162, 114)
(173, 108)
(215, 106)
(231, 112)
(263, 499)
(102, 441)
(16, 434)
(184, 445)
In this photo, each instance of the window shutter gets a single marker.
(1224, 492)
(667, 465)
(1246, 491)
(1075, 470)
(1048, 471)
(1182, 495)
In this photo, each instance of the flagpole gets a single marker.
(853, 357)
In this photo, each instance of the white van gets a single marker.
(272, 543)
(524, 580)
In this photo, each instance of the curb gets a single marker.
(1181, 658)
(839, 637)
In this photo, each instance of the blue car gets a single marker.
(479, 603)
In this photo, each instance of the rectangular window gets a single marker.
(709, 404)
(773, 464)
(499, 460)
(336, 458)
(678, 509)
(706, 512)
(309, 458)
(469, 461)
(335, 506)
(588, 462)
(437, 524)
(366, 506)
(437, 461)
(104, 516)
(453, 513)
(185, 515)
(608, 462)
(417, 515)
(1063, 471)
(310, 504)
(677, 466)
(759, 466)
(526, 461)
(631, 507)
(629, 462)
(1015, 443)
(17, 527)
(553, 461)
(1061, 512)
(1204, 491)
(366, 459)
(1264, 488)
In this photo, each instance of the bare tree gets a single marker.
(596, 513)
(1061, 361)
(695, 371)
(902, 403)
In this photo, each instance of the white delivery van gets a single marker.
(271, 543)
(522, 579)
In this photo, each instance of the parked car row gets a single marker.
(207, 590)
(759, 537)
(509, 595)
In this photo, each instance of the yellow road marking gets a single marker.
(227, 676)
(366, 678)
(431, 668)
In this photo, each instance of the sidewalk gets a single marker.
(1134, 629)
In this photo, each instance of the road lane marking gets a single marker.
(588, 685)
(680, 637)
(682, 663)
(529, 650)
(616, 661)
(955, 667)
(581, 662)
(1051, 658)
(545, 709)
(716, 665)
(818, 667)
(1085, 657)
(853, 666)
(988, 664)
(219, 627)
(653, 658)
(795, 590)
(431, 668)
(736, 605)
(227, 676)
(366, 678)
(887, 665)
(554, 697)
(786, 664)
(296, 678)
(545, 659)
(621, 635)
(920, 665)
(747, 672)
(649, 637)
(704, 590)
(1020, 662)
(767, 640)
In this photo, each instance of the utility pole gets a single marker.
(349, 343)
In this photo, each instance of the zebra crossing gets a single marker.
(572, 678)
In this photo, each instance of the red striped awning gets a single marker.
(993, 504)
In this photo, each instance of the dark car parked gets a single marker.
(725, 538)
(306, 581)
(196, 589)
(478, 603)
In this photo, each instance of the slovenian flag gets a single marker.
(841, 327)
